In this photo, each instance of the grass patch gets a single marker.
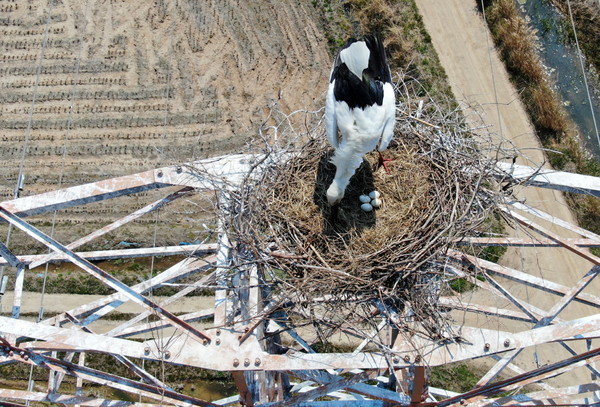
(454, 377)
(516, 43)
(407, 42)
(586, 15)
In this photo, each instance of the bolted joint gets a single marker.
(236, 362)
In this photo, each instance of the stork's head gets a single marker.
(335, 193)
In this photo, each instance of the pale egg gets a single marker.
(366, 207)
(374, 194)
(364, 198)
(376, 203)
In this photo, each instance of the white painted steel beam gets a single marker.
(524, 242)
(64, 399)
(559, 180)
(218, 172)
(116, 224)
(183, 250)
(103, 276)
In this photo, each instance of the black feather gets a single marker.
(367, 90)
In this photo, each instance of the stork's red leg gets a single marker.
(384, 162)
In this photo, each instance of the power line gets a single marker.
(587, 88)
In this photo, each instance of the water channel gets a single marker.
(563, 61)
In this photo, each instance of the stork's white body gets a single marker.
(364, 124)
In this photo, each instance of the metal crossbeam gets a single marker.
(559, 180)
(103, 276)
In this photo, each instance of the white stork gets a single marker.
(361, 103)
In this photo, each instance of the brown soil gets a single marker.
(127, 86)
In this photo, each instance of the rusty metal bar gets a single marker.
(96, 376)
(543, 397)
(502, 385)
(63, 399)
(155, 326)
(103, 276)
(246, 398)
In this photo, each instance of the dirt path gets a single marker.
(478, 77)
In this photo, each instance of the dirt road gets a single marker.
(478, 78)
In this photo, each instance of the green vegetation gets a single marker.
(400, 25)
(67, 279)
(454, 377)
(516, 43)
(586, 15)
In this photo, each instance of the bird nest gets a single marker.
(339, 267)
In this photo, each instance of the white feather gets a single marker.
(330, 119)
(356, 57)
(389, 106)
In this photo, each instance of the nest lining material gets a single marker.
(342, 268)
(349, 261)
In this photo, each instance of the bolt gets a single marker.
(167, 354)
(236, 362)
(246, 362)
(205, 342)
(407, 359)
(396, 359)
(506, 343)
(25, 357)
(179, 169)
(11, 353)
(22, 353)
(159, 174)
(218, 341)
(147, 350)
(486, 346)
(463, 402)
(246, 329)
(257, 362)
(417, 358)
(218, 332)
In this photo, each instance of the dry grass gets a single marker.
(516, 44)
(586, 14)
